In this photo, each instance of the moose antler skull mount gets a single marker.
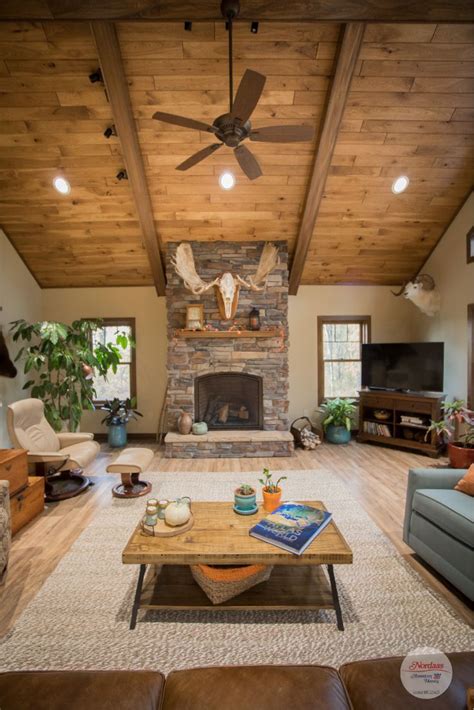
(227, 286)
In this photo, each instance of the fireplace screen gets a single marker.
(229, 400)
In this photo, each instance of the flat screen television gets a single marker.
(414, 367)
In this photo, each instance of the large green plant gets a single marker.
(64, 360)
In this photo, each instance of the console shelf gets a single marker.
(406, 435)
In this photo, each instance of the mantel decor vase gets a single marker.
(199, 428)
(185, 423)
(117, 435)
(337, 434)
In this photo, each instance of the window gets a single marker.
(121, 384)
(340, 341)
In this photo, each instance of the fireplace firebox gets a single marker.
(229, 400)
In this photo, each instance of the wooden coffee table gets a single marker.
(221, 537)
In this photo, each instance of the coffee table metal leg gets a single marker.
(138, 593)
(335, 598)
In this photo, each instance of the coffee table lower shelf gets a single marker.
(289, 587)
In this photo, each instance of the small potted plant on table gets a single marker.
(271, 491)
(245, 500)
(461, 450)
(119, 413)
(337, 422)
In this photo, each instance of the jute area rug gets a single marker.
(80, 617)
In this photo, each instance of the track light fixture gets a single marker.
(122, 175)
(188, 25)
(254, 28)
(110, 131)
(96, 76)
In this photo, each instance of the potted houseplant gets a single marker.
(271, 491)
(63, 361)
(337, 420)
(461, 450)
(245, 499)
(119, 413)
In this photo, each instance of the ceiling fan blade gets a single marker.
(283, 134)
(248, 162)
(197, 157)
(183, 121)
(247, 96)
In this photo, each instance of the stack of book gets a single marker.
(409, 419)
(378, 429)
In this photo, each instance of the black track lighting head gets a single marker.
(122, 175)
(110, 131)
(254, 28)
(95, 76)
(188, 25)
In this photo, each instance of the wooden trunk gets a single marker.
(27, 504)
(14, 469)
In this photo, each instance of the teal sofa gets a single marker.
(439, 524)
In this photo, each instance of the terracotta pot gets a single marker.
(460, 456)
(185, 423)
(271, 501)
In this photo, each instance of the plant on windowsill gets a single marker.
(120, 411)
(245, 499)
(461, 450)
(271, 491)
(63, 363)
(338, 419)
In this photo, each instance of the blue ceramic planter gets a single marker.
(117, 435)
(245, 504)
(338, 434)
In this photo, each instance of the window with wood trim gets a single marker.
(340, 340)
(121, 384)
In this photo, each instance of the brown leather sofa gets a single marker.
(363, 685)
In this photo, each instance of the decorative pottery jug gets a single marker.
(185, 423)
(178, 512)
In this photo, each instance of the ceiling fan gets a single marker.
(234, 127)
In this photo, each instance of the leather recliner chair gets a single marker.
(49, 451)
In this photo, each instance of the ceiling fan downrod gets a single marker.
(230, 9)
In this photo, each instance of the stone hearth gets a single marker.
(263, 358)
(229, 444)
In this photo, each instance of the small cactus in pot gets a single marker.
(245, 499)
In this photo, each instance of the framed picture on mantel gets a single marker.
(470, 245)
(195, 316)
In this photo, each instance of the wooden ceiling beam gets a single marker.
(346, 62)
(263, 10)
(117, 91)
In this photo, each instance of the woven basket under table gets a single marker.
(223, 583)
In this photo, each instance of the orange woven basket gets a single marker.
(223, 583)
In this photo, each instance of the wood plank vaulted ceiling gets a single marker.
(410, 110)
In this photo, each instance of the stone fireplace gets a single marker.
(229, 400)
(237, 381)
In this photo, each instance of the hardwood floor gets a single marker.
(375, 475)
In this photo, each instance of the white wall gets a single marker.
(391, 321)
(455, 280)
(20, 297)
(141, 303)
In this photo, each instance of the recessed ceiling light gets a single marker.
(400, 184)
(227, 181)
(61, 185)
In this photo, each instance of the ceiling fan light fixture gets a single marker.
(400, 184)
(227, 180)
(61, 185)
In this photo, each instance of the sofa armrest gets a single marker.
(418, 478)
(68, 438)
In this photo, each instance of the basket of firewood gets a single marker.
(305, 433)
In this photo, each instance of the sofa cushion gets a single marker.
(262, 687)
(81, 690)
(377, 684)
(450, 510)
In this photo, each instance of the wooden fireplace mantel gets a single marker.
(270, 333)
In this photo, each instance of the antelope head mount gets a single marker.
(227, 286)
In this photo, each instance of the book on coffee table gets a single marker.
(292, 526)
